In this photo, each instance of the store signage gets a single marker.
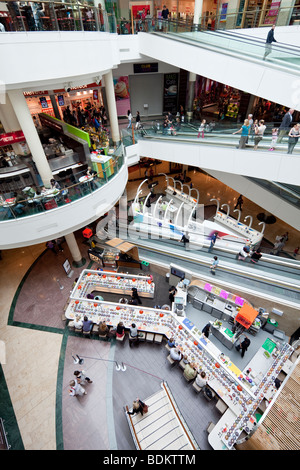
(35, 93)
(145, 68)
(11, 138)
(49, 122)
(170, 92)
(43, 101)
(61, 100)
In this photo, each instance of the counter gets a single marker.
(230, 384)
(105, 281)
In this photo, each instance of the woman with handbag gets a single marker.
(138, 407)
(293, 137)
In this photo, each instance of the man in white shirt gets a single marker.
(175, 354)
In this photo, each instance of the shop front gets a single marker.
(55, 103)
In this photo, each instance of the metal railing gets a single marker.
(55, 16)
(72, 186)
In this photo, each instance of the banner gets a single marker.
(223, 12)
(11, 138)
(170, 92)
(122, 95)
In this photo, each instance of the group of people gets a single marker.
(171, 125)
(77, 384)
(256, 129)
(91, 115)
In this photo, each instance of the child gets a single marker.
(296, 251)
(201, 129)
(274, 138)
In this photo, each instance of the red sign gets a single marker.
(11, 138)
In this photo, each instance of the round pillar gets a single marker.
(23, 115)
(78, 260)
(10, 122)
(112, 107)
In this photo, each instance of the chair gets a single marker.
(171, 361)
(71, 326)
(221, 406)
(95, 330)
(86, 333)
(208, 393)
(133, 339)
(142, 336)
(158, 338)
(120, 338)
(182, 364)
(210, 427)
(167, 347)
(149, 337)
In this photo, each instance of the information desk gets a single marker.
(241, 396)
(105, 281)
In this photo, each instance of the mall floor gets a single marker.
(38, 361)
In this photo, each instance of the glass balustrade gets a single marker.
(72, 186)
(73, 16)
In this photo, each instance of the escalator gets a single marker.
(277, 282)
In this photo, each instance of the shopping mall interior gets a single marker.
(158, 194)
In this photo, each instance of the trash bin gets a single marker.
(168, 277)
(145, 265)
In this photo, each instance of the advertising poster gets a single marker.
(223, 12)
(170, 92)
(43, 101)
(122, 96)
(272, 14)
(61, 100)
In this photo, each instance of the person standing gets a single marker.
(135, 295)
(244, 134)
(239, 202)
(244, 345)
(137, 120)
(172, 293)
(129, 116)
(81, 376)
(256, 255)
(76, 389)
(185, 239)
(214, 265)
(206, 330)
(51, 246)
(259, 132)
(293, 138)
(269, 40)
(274, 138)
(138, 407)
(165, 17)
(213, 241)
(285, 125)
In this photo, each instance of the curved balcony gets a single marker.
(48, 214)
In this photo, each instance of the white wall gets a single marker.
(254, 76)
(260, 196)
(271, 166)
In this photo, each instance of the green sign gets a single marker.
(269, 345)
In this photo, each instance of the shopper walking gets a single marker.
(185, 239)
(135, 295)
(256, 255)
(137, 120)
(285, 125)
(76, 389)
(138, 407)
(206, 330)
(270, 39)
(214, 265)
(213, 240)
(274, 138)
(293, 138)
(81, 377)
(259, 132)
(244, 134)
(239, 202)
(201, 129)
(51, 246)
(129, 116)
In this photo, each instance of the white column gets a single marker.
(197, 11)
(112, 107)
(10, 122)
(78, 260)
(23, 115)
